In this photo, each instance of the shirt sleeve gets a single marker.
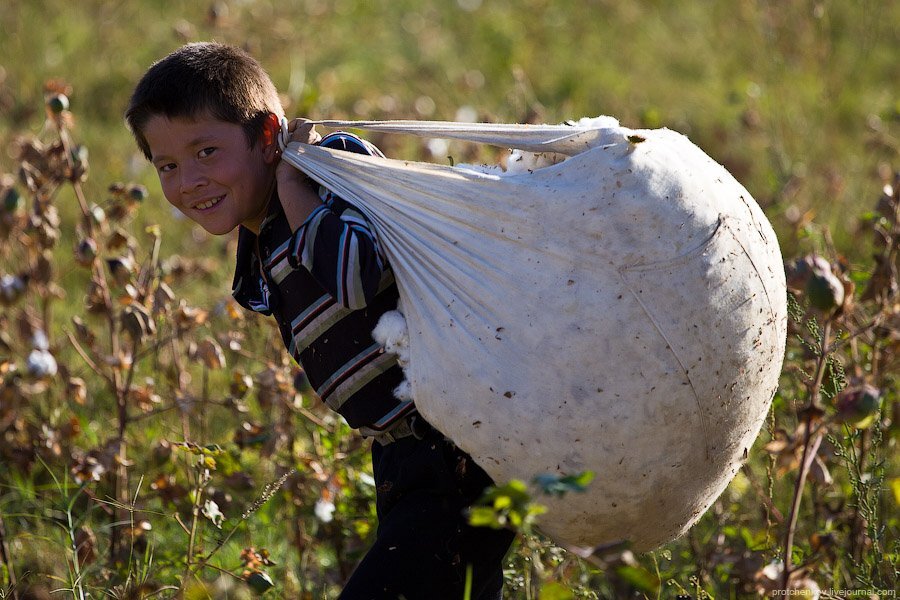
(337, 245)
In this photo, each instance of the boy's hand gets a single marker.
(297, 196)
(303, 131)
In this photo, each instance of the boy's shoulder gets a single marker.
(348, 142)
(342, 140)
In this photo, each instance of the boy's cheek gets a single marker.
(185, 214)
(176, 205)
(171, 196)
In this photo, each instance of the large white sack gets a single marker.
(623, 312)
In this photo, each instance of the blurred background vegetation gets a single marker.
(798, 98)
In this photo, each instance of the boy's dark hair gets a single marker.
(205, 77)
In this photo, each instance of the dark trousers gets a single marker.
(424, 543)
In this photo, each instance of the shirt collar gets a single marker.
(249, 287)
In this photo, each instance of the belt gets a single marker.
(411, 425)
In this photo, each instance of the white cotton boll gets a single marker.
(438, 147)
(403, 391)
(211, 511)
(11, 288)
(39, 340)
(804, 587)
(391, 333)
(808, 588)
(390, 328)
(483, 169)
(324, 510)
(601, 122)
(41, 363)
(403, 357)
(520, 161)
(466, 114)
(773, 570)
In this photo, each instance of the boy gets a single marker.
(208, 117)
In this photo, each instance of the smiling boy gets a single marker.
(208, 117)
(208, 173)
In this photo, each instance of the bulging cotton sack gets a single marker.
(622, 311)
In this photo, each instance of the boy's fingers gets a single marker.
(298, 123)
(302, 130)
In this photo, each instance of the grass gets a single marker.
(798, 99)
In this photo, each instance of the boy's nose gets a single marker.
(191, 180)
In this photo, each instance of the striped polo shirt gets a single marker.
(326, 285)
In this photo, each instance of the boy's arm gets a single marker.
(293, 184)
(332, 239)
(298, 202)
(337, 246)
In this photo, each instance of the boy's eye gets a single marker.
(206, 152)
(165, 168)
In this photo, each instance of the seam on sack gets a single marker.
(681, 258)
(758, 274)
(703, 424)
(720, 223)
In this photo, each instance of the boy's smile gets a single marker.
(208, 171)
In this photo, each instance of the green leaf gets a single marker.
(483, 516)
(515, 519)
(501, 502)
(639, 577)
(197, 591)
(553, 590)
(556, 485)
(212, 450)
(515, 489)
(582, 479)
(226, 464)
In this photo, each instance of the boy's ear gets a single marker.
(269, 137)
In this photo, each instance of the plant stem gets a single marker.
(294, 490)
(87, 359)
(857, 532)
(99, 277)
(121, 475)
(179, 392)
(77, 588)
(202, 480)
(204, 403)
(46, 317)
(4, 559)
(765, 498)
(810, 447)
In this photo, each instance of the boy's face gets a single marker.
(208, 171)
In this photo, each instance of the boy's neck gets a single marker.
(255, 223)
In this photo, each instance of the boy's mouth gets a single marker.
(209, 203)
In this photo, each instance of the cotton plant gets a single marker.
(40, 362)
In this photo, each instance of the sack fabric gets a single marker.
(622, 311)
